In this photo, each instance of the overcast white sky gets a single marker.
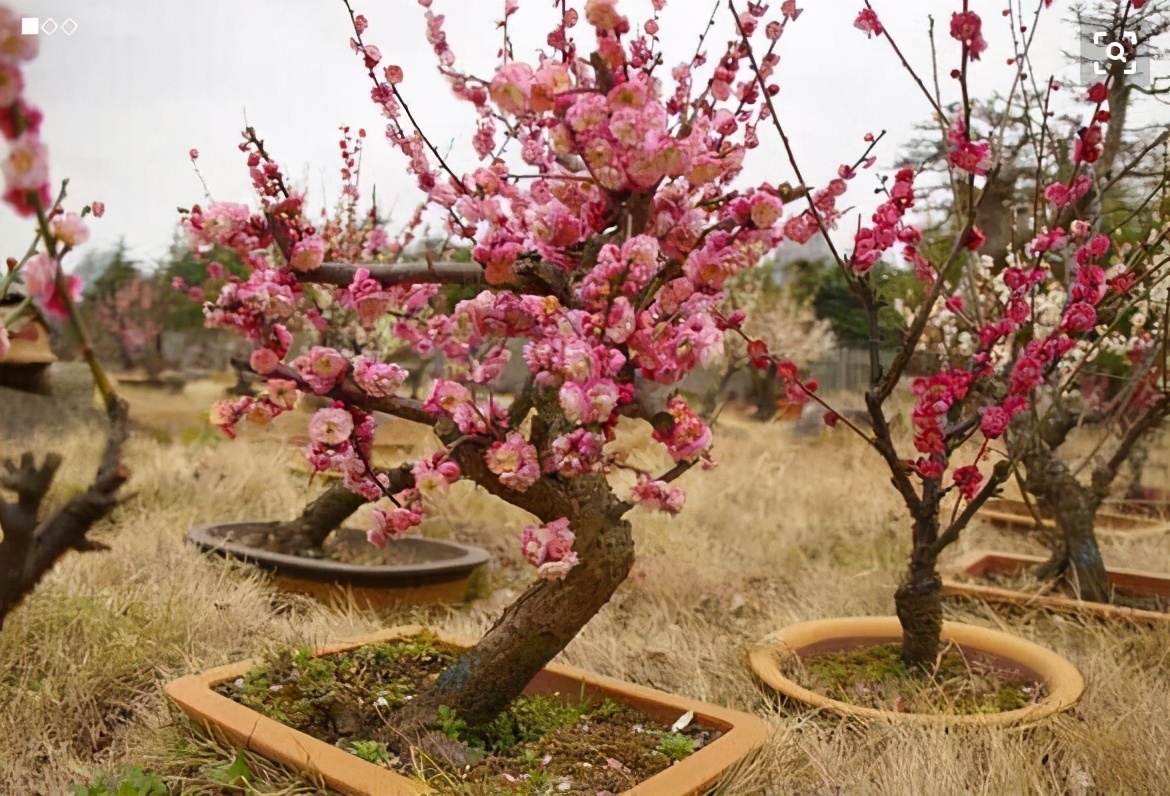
(142, 81)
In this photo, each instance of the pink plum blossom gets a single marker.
(39, 274)
(391, 524)
(657, 495)
(70, 229)
(515, 461)
(330, 427)
(307, 255)
(264, 360)
(688, 435)
(322, 368)
(549, 548)
(377, 379)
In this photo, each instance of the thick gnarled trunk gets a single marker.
(1076, 556)
(1073, 507)
(537, 626)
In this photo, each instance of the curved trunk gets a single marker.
(536, 627)
(1076, 555)
(319, 519)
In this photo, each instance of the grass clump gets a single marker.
(132, 781)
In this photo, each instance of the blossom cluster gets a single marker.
(1013, 330)
(606, 265)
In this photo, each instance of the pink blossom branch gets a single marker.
(401, 101)
(999, 475)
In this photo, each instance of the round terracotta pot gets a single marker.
(426, 570)
(1062, 681)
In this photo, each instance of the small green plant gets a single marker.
(450, 725)
(370, 751)
(236, 774)
(132, 781)
(675, 745)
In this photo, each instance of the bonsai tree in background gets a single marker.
(1059, 197)
(129, 315)
(775, 316)
(602, 246)
(1112, 384)
(968, 405)
(33, 542)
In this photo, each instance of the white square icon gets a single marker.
(30, 26)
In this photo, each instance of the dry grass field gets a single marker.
(784, 530)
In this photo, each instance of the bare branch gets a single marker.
(1104, 474)
(25, 558)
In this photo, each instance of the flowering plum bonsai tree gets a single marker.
(33, 540)
(964, 409)
(603, 245)
(1093, 216)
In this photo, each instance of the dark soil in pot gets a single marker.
(962, 682)
(542, 743)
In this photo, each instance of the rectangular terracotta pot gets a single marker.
(982, 563)
(1013, 514)
(242, 726)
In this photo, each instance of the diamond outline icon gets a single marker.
(49, 27)
(68, 27)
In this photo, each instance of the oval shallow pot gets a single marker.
(1013, 514)
(433, 570)
(741, 733)
(984, 563)
(1062, 681)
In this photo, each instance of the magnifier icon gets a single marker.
(1115, 51)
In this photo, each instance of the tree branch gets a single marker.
(25, 558)
(1104, 474)
(391, 274)
(998, 476)
(420, 273)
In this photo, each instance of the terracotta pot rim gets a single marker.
(453, 568)
(742, 732)
(1012, 511)
(970, 564)
(1064, 683)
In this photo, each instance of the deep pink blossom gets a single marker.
(39, 274)
(967, 28)
(967, 480)
(867, 21)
